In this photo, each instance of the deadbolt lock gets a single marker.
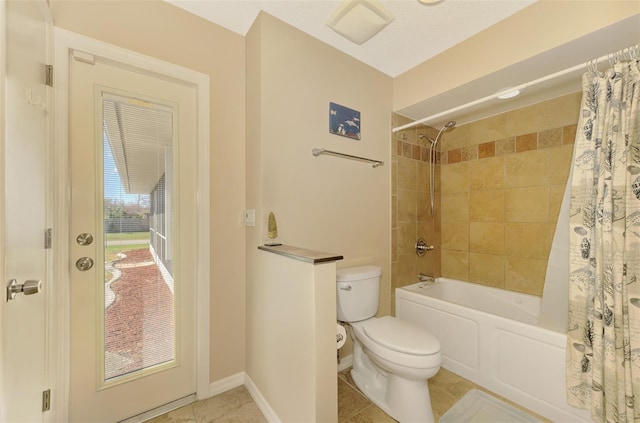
(84, 239)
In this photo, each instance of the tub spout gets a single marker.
(426, 278)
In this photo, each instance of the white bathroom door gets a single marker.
(133, 240)
(23, 216)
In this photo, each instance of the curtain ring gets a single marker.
(592, 67)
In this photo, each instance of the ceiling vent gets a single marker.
(359, 20)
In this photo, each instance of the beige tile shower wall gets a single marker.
(411, 217)
(502, 181)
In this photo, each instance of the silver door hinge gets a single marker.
(47, 238)
(46, 400)
(48, 78)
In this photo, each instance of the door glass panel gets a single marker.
(139, 326)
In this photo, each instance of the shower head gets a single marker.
(446, 126)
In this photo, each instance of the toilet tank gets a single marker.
(358, 292)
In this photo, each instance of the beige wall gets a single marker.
(157, 29)
(519, 37)
(323, 203)
(293, 306)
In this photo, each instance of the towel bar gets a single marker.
(319, 151)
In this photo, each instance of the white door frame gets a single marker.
(65, 42)
(3, 61)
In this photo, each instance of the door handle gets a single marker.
(30, 287)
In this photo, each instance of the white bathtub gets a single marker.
(491, 337)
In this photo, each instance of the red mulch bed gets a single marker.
(139, 324)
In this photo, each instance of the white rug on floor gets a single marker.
(479, 407)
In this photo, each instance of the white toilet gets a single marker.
(392, 358)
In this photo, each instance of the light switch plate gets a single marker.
(250, 217)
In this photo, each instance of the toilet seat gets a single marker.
(401, 336)
(399, 354)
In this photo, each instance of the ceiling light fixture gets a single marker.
(359, 20)
(508, 93)
(429, 1)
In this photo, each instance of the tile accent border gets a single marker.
(549, 138)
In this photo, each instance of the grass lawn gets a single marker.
(127, 235)
(110, 253)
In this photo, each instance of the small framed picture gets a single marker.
(344, 121)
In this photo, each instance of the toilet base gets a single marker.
(405, 400)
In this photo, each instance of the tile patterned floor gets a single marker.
(445, 388)
(236, 405)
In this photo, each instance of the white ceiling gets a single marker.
(417, 33)
(545, 76)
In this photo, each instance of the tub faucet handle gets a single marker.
(422, 247)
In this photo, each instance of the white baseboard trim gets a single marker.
(345, 362)
(223, 385)
(242, 378)
(261, 402)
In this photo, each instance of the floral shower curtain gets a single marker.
(603, 340)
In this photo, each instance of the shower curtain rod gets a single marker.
(632, 51)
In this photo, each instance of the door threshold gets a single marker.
(158, 411)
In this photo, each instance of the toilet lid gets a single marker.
(401, 336)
